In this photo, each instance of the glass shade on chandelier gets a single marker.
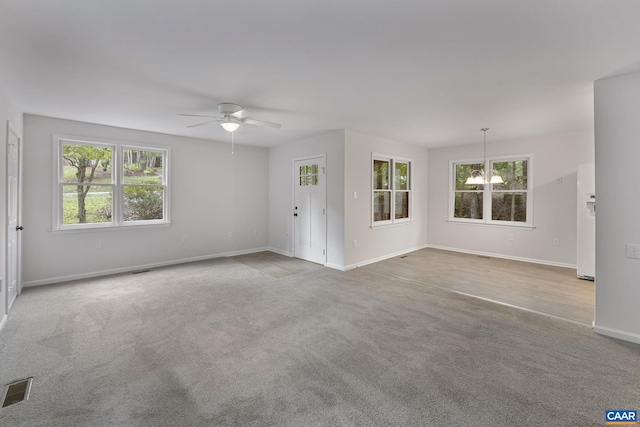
(479, 177)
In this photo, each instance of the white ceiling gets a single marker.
(427, 72)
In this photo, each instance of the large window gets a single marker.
(391, 190)
(509, 202)
(109, 184)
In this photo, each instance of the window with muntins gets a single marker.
(507, 203)
(391, 199)
(109, 184)
(309, 175)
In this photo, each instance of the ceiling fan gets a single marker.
(232, 116)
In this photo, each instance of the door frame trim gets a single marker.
(12, 130)
(292, 240)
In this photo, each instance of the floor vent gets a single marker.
(16, 392)
(140, 271)
(404, 256)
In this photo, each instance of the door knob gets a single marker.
(19, 228)
(295, 214)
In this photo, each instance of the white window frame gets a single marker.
(117, 183)
(487, 192)
(392, 190)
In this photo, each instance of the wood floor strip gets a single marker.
(549, 290)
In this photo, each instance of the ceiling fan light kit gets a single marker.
(479, 177)
(232, 117)
(230, 125)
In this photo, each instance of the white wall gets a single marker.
(554, 156)
(378, 243)
(8, 111)
(281, 193)
(212, 193)
(617, 147)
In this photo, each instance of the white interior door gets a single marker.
(13, 215)
(310, 210)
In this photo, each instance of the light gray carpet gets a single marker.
(217, 343)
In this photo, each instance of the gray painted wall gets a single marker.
(281, 193)
(617, 147)
(379, 243)
(554, 156)
(213, 193)
(348, 170)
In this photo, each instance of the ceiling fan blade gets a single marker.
(261, 123)
(240, 114)
(203, 123)
(198, 115)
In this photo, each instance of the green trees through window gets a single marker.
(143, 189)
(80, 163)
(507, 202)
(381, 191)
(109, 185)
(391, 190)
(467, 197)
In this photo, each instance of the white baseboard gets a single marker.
(60, 279)
(244, 252)
(513, 258)
(381, 258)
(335, 266)
(290, 254)
(614, 333)
(280, 251)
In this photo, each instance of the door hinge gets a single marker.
(322, 211)
(323, 252)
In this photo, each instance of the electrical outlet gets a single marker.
(355, 243)
(556, 241)
(98, 244)
(230, 235)
(184, 239)
(510, 237)
(633, 251)
(255, 232)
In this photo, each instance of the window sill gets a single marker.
(393, 224)
(108, 228)
(490, 224)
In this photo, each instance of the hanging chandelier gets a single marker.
(479, 177)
